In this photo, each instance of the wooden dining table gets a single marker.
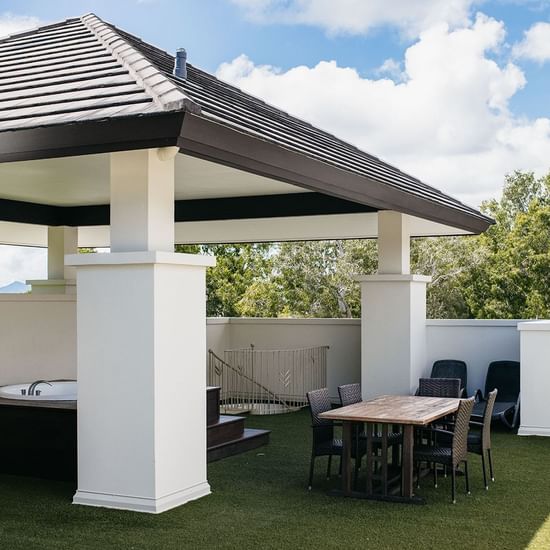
(404, 410)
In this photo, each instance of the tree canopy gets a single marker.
(503, 273)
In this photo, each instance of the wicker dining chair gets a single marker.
(479, 440)
(439, 387)
(324, 443)
(452, 454)
(349, 394)
(451, 368)
(479, 437)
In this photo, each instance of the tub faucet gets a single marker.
(32, 387)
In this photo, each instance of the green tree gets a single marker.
(238, 268)
(512, 280)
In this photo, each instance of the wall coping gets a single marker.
(542, 325)
(25, 298)
(473, 322)
(280, 321)
(357, 321)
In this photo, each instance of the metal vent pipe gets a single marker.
(180, 68)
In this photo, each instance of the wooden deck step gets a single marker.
(226, 429)
(250, 439)
(212, 404)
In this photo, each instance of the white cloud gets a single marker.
(448, 122)
(11, 23)
(19, 263)
(391, 68)
(359, 16)
(535, 44)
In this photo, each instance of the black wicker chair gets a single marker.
(504, 376)
(454, 453)
(324, 442)
(349, 394)
(451, 368)
(436, 387)
(439, 387)
(479, 437)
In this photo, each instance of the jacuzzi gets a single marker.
(52, 390)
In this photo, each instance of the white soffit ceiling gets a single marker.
(84, 180)
(336, 226)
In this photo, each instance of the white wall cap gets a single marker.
(393, 278)
(535, 325)
(450, 323)
(135, 258)
(30, 297)
(51, 282)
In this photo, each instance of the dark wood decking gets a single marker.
(39, 437)
(226, 435)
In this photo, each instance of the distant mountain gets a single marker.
(17, 287)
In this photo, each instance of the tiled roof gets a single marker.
(86, 69)
(77, 70)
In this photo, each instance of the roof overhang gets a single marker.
(218, 143)
(91, 136)
(335, 191)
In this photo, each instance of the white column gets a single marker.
(393, 315)
(142, 200)
(535, 377)
(141, 351)
(62, 240)
(394, 239)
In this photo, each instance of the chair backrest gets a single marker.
(451, 368)
(319, 402)
(487, 416)
(439, 387)
(504, 376)
(462, 425)
(350, 394)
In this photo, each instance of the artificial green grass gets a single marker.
(259, 500)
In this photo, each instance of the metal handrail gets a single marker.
(212, 355)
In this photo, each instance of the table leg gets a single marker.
(408, 447)
(369, 466)
(384, 459)
(346, 457)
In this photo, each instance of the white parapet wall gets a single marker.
(535, 378)
(37, 337)
(38, 340)
(477, 342)
(343, 336)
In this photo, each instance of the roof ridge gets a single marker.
(164, 92)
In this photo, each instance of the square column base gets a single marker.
(136, 504)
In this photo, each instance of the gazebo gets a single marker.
(107, 141)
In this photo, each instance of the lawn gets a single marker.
(259, 500)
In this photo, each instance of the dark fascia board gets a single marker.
(216, 142)
(265, 206)
(231, 208)
(92, 136)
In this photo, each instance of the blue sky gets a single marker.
(215, 31)
(455, 92)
